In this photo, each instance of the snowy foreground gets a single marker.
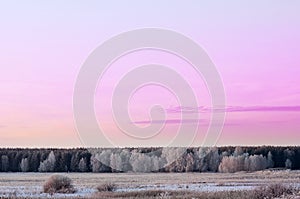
(30, 184)
(36, 191)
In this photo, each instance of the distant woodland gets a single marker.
(215, 159)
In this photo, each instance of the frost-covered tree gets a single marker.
(290, 157)
(140, 162)
(100, 161)
(190, 162)
(174, 159)
(172, 154)
(226, 165)
(201, 162)
(75, 161)
(288, 153)
(104, 157)
(231, 164)
(4, 163)
(288, 164)
(244, 162)
(178, 159)
(24, 165)
(256, 163)
(125, 156)
(157, 163)
(48, 165)
(119, 161)
(238, 151)
(213, 159)
(115, 162)
(82, 166)
(95, 164)
(270, 160)
(146, 162)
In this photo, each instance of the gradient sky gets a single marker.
(255, 46)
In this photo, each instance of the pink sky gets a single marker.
(255, 46)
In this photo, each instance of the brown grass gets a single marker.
(264, 192)
(151, 194)
(136, 179)
(106, 187)
(58, 184)
(273, 191)
(124, 180)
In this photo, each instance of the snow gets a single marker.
(36, 192)
(83, 190)
(202, 187)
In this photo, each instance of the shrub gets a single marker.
(106, 187)
(58, 184)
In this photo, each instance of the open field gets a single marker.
(29, 185)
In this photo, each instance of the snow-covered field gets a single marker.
(208, 187)
(36, 192)
(30, 184)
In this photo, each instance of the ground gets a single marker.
(30, 184)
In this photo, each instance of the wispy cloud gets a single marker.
(203, 109)
(170, 121)
(200, 122)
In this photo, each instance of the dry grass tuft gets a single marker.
(107, 187)
(58, 184)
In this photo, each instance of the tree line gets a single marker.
(194, 159)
